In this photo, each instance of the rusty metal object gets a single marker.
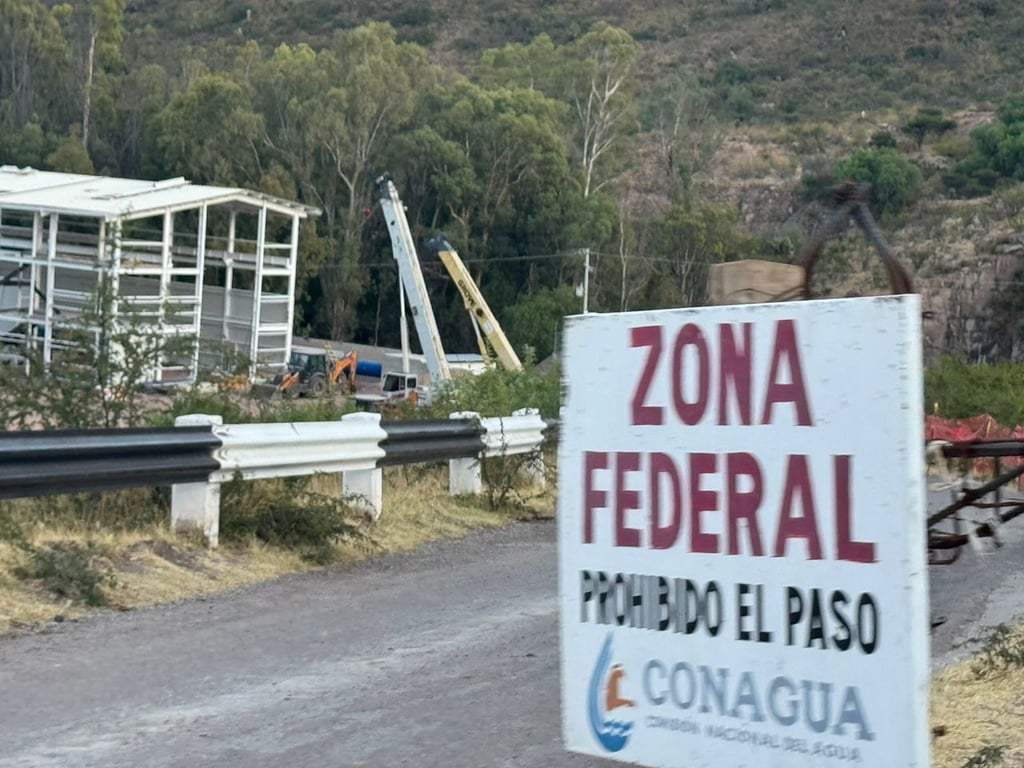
(1004, 510)
(972, 495)
(851, 201)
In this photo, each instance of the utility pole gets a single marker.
(586, 279)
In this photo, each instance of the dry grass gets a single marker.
(974, 712)
(150, 565)
(417, 509)
(148, 568)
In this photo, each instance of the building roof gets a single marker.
(28, 189)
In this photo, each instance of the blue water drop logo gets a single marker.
(612, 734)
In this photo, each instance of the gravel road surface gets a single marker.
(447, 657)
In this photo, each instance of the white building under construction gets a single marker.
(217, 263)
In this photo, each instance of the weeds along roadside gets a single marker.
(976, 705)
(63, 555)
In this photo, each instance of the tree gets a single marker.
(29, 145)
(998, 152)
(686, 130)
(286, 88)
(96, 30)
(927, 120)
(536, 320)
(71, 156)
(210, 133)
(494, 171)
(595, 75)
(894, 179)
(374, 83)
(373, 86)
(1010, 110)
(685, 240)
(130, 122)
(602, 67)
(94, 379)
(33, 64)
(488, 167)
(535, 66)
(634, 272)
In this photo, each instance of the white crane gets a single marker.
(404, 251)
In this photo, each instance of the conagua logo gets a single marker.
(603, 697)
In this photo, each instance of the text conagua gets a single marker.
(820, 707)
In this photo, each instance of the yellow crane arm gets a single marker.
(483, 319)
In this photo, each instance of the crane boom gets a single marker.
(484, 321)
(404, 251)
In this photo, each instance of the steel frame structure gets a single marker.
(213, 262)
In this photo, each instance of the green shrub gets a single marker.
(286, 513)
(894, 179)
(817, 180)
(989, 756)
(536, 319)
(954, 147)
(11, 531)
(1001, 650)
(73, 571)
(998, 152)
(880, 139)
(927, 121)
(305, 409)
(128, 509)
(68, 569)
(93, 380)
(732, 72)
(963, 389)
(247, 409)
(196, 400)
(497, 392)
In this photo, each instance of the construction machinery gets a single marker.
(489, 335)
(412, 284)
(316, 373)
(395, 387)
(403, 385)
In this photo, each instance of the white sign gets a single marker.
(742, 536)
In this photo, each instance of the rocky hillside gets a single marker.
(800, 85)
(767, 59)
(966, 256)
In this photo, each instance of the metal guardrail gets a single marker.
(302, 448)
(412, 442)
(522, 433)
(200, 454)
(70, 461)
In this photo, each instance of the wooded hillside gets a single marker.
(528, 133)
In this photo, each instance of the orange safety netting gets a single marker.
(982, 427)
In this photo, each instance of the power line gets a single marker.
(946, 280)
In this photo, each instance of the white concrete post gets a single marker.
(196, 506)
(464, 475)
(364, 488)
(534, 465)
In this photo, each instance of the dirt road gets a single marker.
(447, 657)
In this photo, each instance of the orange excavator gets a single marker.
(316, 373)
